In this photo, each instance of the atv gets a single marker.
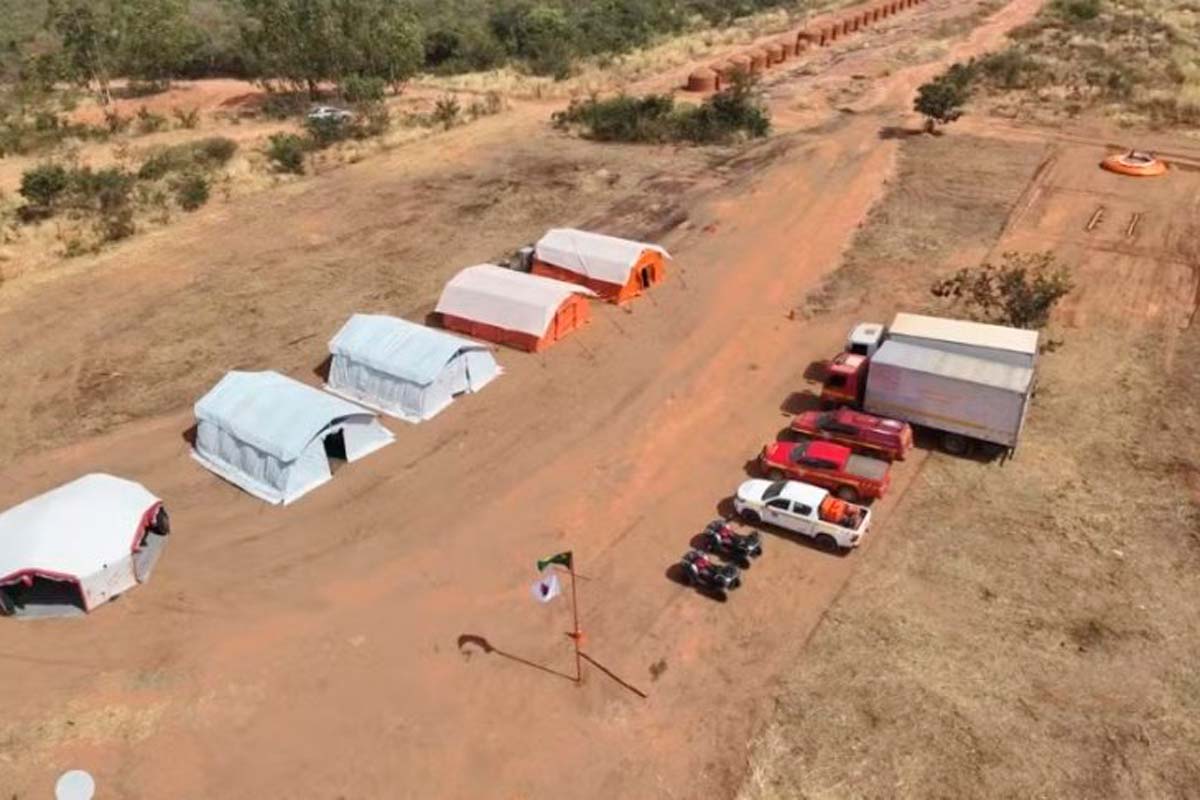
(702, 572)
(719, 537)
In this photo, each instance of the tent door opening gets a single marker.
(646, 277)
(335, 449)
(41, 597)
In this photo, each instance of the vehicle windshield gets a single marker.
(825, 420)
(774, 490)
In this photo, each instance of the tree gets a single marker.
(157, 37)
(941, 100)
(91, 39)
(305, 42)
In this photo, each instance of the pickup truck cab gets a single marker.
(808, 510)
(830, 466)
(863, 433)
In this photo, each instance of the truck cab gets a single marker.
(865, 338)
(845, 380)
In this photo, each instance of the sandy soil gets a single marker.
(1028, 630)
(314, 650)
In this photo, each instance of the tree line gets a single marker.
(305, 43)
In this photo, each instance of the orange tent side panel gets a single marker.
(650, 269)
(572, 314)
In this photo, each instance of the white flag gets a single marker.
(547, 588)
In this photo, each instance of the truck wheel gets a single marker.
(775, 474)
(827, 543)
(6, 604)
(848, 493)
(750, 515)
(955, 445)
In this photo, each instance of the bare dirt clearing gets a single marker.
(313, 650)
(1028, 630)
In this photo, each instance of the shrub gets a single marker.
(326, 131)
(374, 120)
(42, 185)
(187, 118)
(114, 123)
(1020, 292)
(726, 115)
(357, 89)
(149, 122)
(941, 100)
(446, 111)
(1078, 10)
(203, 154)
(191, 190)
(286, 151)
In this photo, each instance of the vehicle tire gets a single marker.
(955, 445)
(162, 522)
(7, 609)
(688, 576)
(743, 562)
(848, 493)
(827, 543)
(775, 474)
(750, 515)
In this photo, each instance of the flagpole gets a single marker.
(577, 633)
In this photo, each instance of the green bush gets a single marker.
(286, 151)
(941, 100)
(324, 132)
(42, 185)
(1021, 292)
(1077, 11)
(359, 89)
(726, 115)
(191, 190)
(204, 154)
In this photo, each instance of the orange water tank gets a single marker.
(775, 54)
(758, 61)
(741, 63)
(702, 80)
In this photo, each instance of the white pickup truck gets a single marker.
(809, 510)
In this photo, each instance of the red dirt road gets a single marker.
(312, 651)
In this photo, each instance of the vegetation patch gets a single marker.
(1134, 60)
(732, 113)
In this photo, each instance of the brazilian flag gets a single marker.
(562, 559)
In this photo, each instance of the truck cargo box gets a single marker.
(961, 394)
(990, 342)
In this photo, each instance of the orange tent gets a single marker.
(528, 312)
(617, 270)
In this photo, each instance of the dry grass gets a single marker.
(1022, 630)
(1137, 61)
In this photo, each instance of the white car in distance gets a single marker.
(808, 510)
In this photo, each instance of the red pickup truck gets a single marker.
(830, 466)
(861, 432)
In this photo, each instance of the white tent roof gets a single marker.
(272, 412)
(76, 529)
(515, 301)
(595, 255)
(399, 347)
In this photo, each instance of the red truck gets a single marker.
(830, 466)
(863, 433)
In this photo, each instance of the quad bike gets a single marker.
(719, 537)
(702, 572)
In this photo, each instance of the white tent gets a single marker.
(78, 546)
(273, 436)
(593, 255)
(404, 369)
(505, 298)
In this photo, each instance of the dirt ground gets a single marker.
(1028, 630)
(316, 650)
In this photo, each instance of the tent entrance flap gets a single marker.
(39, 596)
(335, 448)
